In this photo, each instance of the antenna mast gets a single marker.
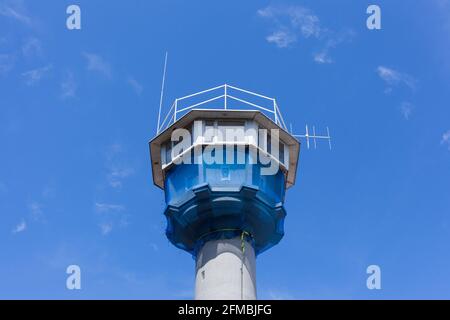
(162, 93)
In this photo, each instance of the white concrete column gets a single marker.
(224, 271)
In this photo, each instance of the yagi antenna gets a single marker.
(162, 92)
(313, 136)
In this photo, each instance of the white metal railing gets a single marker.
(225, 94)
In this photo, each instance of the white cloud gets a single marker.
(322, 57)
(106, 228)
(48, 192)
(32, 47)
(32, 77)
(98, 64)
(137, 87)
(446, 139)
(15, 10)
(333, 39)
(282, 39)
(36, 211)
(292, 23)
(118, 170)
(111, 215)
(296, 18)
(20, 227)
(307, 22)
(394, 78)
(68, 86)
(406, 109)
(107, 207)
(35, 215)
(116, 175)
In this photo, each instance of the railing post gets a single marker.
(175, 112)
(225, 97)
(275, 111)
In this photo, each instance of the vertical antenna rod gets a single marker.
(329, 138)
(307, 136)
(314, 134)
(162, 93)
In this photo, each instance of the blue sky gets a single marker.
(78, 107)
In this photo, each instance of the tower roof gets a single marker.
(187, 119)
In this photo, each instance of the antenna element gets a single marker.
(308, 136)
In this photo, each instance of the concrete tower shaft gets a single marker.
(226, 269)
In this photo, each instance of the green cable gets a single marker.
(244, 233)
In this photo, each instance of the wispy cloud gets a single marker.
(118, 169)
(116, 175)
(281, 38)
(6, 63)
(68, 86)
(135, 85)
(296, 18)
(48, 192)
(446, 139)
(333, 39)
(97, 64)
(36, 212)
(107, 207)
(322, 57)
(111, 215)
(32, 47)
(292, 23)
(105, 228)
(21, 227)
(406, 109)
(154, 246)
(32, 77)
(15, 10)
(394, 78)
